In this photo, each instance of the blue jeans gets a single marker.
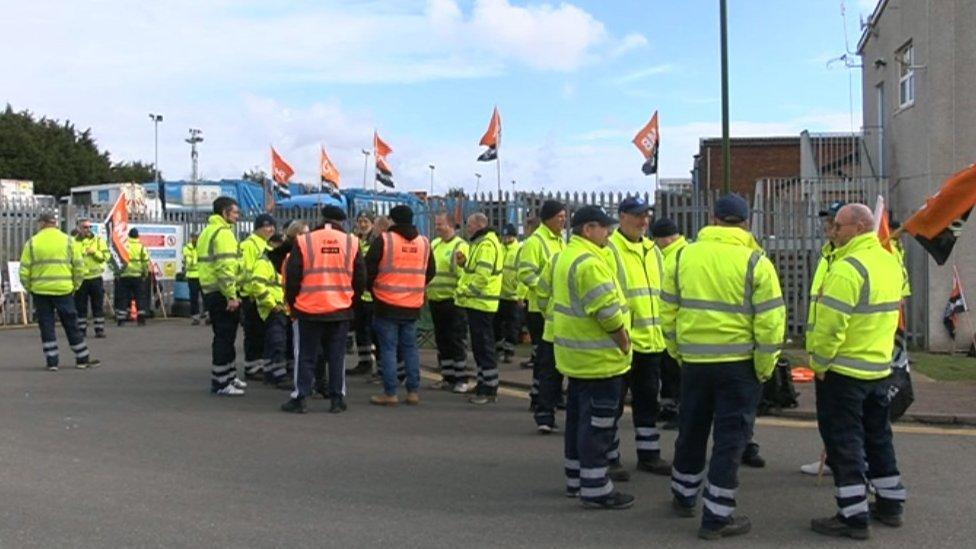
(397, 336)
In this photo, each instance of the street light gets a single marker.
(156, 118)
(365, 164)
(431, 166)
(477, 184)
(193, 140)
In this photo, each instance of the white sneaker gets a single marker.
(230, 390)
(814, 469)
(238, 383)
(462, 388)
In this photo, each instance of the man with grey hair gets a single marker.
(478, 292)
(94, 254)
(854, 322)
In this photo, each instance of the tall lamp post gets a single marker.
(156, 118)
(477, 183)
(726, 144)
(193, 140)
(431, 166)
(365, 165)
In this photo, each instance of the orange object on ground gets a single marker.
(802, 374)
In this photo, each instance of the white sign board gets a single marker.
(16, 190)
(13, 276)
(164, 244)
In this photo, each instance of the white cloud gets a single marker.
(642, 74)
(633, 41)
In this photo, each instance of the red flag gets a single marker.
(117, 232)
(328, 171)
(384, 174)
(493, 136)
(938, 224)
(281, 172)
(647, 141)
(955, 305)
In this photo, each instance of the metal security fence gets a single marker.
(18, 222)
(785, 221)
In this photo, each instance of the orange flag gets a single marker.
(938, 224)
(492, 138)
(328, 171)
(281, 171)
(647, 141)
(384, 174)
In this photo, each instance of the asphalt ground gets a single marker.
(137, 453)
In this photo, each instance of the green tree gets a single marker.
(56, 156)
(255, 174)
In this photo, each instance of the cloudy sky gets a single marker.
(573, 80)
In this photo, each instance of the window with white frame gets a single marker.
(906, 75)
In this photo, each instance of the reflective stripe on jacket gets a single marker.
(722, 302)
(93, 264)
(639, 266)
(50, 264)
(401, 277)
(512, 290)
(190, 261)
(138, 265)
(856, 313)
(219, 258)
(265, 286)
(444, 284)
(588, 305)
(535, 253)
(329, 256)
(480, 284)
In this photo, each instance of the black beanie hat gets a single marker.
(550, 209)
(401, 215)
(663, 228)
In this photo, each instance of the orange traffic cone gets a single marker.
(133, 310)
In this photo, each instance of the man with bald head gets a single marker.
(854, 322)
(478, 292)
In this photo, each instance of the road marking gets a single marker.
(905, 428)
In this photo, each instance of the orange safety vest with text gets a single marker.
(401, 278)
(328, 256)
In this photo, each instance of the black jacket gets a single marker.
(372, 269)
(295, 272)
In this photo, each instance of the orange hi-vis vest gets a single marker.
(401, 278)
(329, 257)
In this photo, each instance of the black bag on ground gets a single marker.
(778, 391)
(900, 392)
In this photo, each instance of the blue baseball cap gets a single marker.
(833, 208)
(633, 205)
(732, 208)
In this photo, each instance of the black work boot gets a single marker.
(681, 509)
(834, 526)
(617, 473)
(751, 457)
(338, 405)
(361, 369)
(295, 406)
(656, 466)
(739, 525)
(888, 519)
(614, 501)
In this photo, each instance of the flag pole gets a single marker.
(498, 173)
(969, 314)
(374, 163)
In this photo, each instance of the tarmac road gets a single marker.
(137, 453)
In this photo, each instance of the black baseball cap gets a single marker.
(633, 205)
(833, 208)
(592, 214)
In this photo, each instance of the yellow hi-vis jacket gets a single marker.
(588, 305)
(93, 263)
(480, 284)
(265, 286)
(543, 294)
(219, 259)
(639, 266)
(536, 251)
(512, 290)
(251, 249)
(50, 264)
(722, 302)
(671, 250)
(364, 249)
(191, 263)
(856, 313)
(826, 257)
(444, 284)
(138, 265)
